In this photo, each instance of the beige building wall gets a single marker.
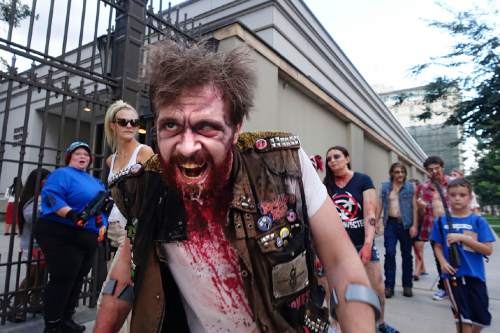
(281, 105)
(285, 102)
(376, 162)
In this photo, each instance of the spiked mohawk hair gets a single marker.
(171, 68)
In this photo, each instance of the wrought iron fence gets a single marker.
(62, 63)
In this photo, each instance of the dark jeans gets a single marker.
(394, 232)
(69, 254)
(438, 267)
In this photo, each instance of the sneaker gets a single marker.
(385, 328)
(389, 292)
(407, 292)
(439, 295)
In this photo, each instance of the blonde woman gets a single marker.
(121, 125)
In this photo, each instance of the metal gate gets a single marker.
(62, 63)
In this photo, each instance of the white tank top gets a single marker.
(115, 215)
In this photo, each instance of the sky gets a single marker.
(382, 38)
(385, 38)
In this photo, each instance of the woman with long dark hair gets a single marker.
(355, 198)
(29, 208)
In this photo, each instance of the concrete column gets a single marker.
(356, 146)
(393, 157)
(126, 52)
(414, 173)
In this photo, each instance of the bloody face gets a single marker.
(435, 171)
(337, 161)
(195, 141)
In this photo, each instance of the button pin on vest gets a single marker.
(264, 223)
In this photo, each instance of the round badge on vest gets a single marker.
(264, 223)
(291, 216)
(261, 144)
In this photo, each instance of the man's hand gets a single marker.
(413, 231)
(366, 253)
(421, 203)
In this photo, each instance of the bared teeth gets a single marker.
(191, 165)
(192, 170)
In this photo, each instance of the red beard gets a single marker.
(205, 202)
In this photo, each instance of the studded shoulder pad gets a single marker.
(153, 164)
(267, 141)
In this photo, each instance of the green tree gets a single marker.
(21, 11)
(486, 178)
(476, 57)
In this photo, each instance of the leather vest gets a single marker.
(267, 226)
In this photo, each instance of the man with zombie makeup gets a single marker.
(430, 201)
(220, 223)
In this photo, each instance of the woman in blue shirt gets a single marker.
(69, 246)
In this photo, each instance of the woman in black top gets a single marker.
(355, 198)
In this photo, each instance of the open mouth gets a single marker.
(192, 170)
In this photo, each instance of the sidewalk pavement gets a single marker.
(409, 315)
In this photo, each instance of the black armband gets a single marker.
(71, 215)
(77, 218)
(126, 294)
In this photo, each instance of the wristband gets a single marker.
(356, 293)
(126, 294)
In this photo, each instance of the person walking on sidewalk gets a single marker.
(121, 125)
(222, 219)
(430, 202)
(474, 205)
(68, 236)
(355, 198)
(29, 199)
(399, 208)
(474, 239)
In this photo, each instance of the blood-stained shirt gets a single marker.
(206, 268)
(433, 206)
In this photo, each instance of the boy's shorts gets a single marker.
(471, 297)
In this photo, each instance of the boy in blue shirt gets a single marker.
(474, 239)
